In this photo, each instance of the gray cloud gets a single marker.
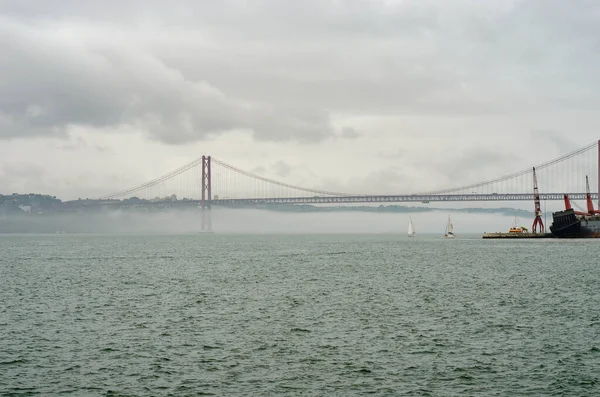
(282, 169)
(278, 69)
(50, 85)
(561, 141)
(78, 144)
(349, 133)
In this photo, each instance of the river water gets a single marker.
(298, 315)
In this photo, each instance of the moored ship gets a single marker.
(570, 224)
(576, 224)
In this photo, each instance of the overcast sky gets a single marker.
(390, 96)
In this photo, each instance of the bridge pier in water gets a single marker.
(206, 220)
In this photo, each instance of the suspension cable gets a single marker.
(155, 181)
(274, 182)
(520, 173)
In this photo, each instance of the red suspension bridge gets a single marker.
(209, 181)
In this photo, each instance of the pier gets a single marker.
(516, 235)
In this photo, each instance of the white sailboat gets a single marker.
(449, 229)
(411, 228)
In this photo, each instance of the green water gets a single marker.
(298, 315)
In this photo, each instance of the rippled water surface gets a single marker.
(349, 315)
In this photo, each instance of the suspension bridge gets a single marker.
(209, 181)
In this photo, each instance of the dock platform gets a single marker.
(516, 235)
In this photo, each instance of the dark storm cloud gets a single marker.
(187, 70)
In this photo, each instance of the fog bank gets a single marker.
(255, 221)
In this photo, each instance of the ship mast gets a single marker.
(538, 208)
(588, 196)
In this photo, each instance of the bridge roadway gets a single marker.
(407, 198)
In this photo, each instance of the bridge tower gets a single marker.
(206, 194)
(538, 208)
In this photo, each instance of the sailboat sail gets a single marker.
(449, 228)
(411, 228)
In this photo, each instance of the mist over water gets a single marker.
(296, 315)
(256, 222)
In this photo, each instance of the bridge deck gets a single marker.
(423, 198)
(407, 198)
